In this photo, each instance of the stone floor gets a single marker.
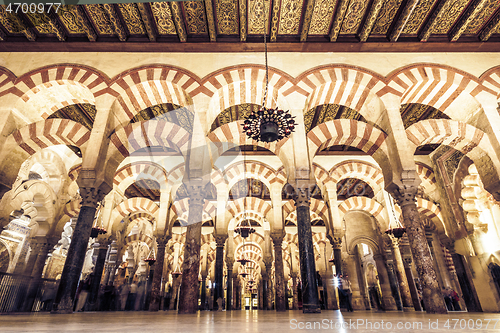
(250, 321)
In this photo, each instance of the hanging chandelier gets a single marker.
(399, 230)
(268, 125)
(242, 260)
(244, 230)
(98, 229)
(151, 259)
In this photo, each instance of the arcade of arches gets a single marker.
(148, 154)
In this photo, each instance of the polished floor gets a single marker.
(250, 321)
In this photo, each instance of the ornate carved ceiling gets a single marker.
(240, 23)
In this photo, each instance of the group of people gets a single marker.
(451, 299)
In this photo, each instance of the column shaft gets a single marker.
(76, 253)
(401, 275)
(310, 299)
(219, 272)
(387, 299)
(279, 275)
(154, 304)
(229, 291)
(96, 282)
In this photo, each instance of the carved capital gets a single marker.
(302, 197)
(91, 196)
(104, 241)
(405, 195)
(196, 192)
(336, 242)
(220, 240)
(407, 261)
(162, 241)
(277, 239)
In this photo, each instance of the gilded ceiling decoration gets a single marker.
(412, 113)
(256, 16)
(450, 16)
(353, 187)
(83, 114)
(386, 16)
(249, 187)
(481, 19)
(242, 21)
(195, 17)
(234, 113)
(227, 17)
(169, 112)
(101, 22)
(354, 16)
(132, 18)
(290, 13)
(417, 18)
(71, 19)
(210, 191)
(144, 188)
(163, 18)
(327, 112)
(322, 16)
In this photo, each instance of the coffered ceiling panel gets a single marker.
(239, 24)
(322, 17)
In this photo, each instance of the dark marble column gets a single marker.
(310, 299)
(188, 298)
(155, 301)
(43, 247)
(269, 285)
(295, 299)
(176, 281)
(264, 291)
(411, 283)
(229, 291)
(219, 269)
(237, 292)
(203, 296)
(393, 280)
(76, 253)
(337, 254)
(279, 274)
(432, 296)
(388, 301)
(401, 275)
(98, 269)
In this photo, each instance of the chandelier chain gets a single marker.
(265, 53)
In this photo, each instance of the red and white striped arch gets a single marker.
(51, 132)
(319, 237)
(433, 85)
(432, 211)
(253, 169)
(459, 135)
(150, 133)
(491, 81)
(72, 208)
(242, 85)
(181, 209)
(248, 204)
(135, 171)
(293, 216)
(144, 87)
(288, 207)
(176, 175)
(322, 175)
(355, 169)
(217, 177)
(368, 205)
(346, 132)
(138, 238)
(427, 177)
(249, 216)
(137, 205)
(342, 85)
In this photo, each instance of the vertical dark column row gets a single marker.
(279, 275)
(229, 292)
(154, 304)
(401, 275)
(203, 296)
(76, 253)
(98, 268)
(219, 270)
(432, 296)
(188, 298)
(310, 299)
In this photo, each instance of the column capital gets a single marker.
(277, 238)
(91, 196)
(162, 241)
(302, 196)
(196, 192)
(405, 194)
(220, 240)
(336, 242)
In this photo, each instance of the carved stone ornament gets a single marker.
(220, 240)
(336, 243)
(277, 239)
(196, 194)
(302, 197)
(91, 196)
(163, 240)
(405, 195)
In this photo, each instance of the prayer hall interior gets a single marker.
(130, 180)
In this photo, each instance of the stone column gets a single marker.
(176, 281)
(219, 269)
(237, 292)
(352, 273)
(433, 298)
(229, 291)
(102, 245)
(440, 261)
(295, 302)
(411, 283)
(337, 254)
(310, 299)
(188, 298)
(279, 274)
(269, 285)
(393, 280)
(401, 275)
(76, 253)
(203, 296)
(155, 300)
(387, 299)
(43, 246)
